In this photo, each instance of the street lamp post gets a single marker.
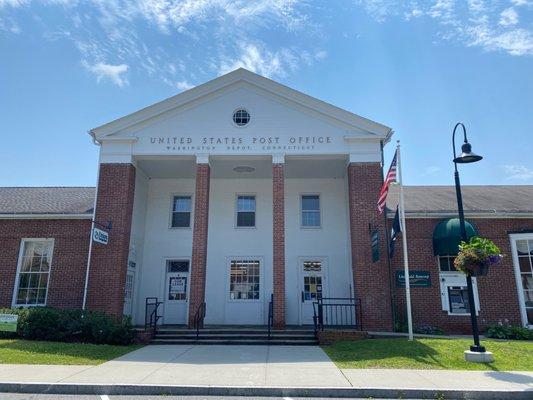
(466, 157)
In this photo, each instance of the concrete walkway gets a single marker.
(256, 367)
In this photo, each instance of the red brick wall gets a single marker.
(278, 241)
(497, 291)
(199, 239)
(371, 280)
(69, 258)
(107, 276)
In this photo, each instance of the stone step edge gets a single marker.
(259, 391)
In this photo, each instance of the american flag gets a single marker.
(391, 177)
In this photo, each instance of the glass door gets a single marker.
(177, 292)
(312, 287)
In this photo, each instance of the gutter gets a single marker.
(45, 216)
(471, 214)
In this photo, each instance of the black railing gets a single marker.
(198, 322)
(151, 315)
(337, 313)
(270, 315)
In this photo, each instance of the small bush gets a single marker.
(428, 330)
(46, 323)
(504, 330)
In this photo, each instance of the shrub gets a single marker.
(45, 323)
(504, 330)
(428, 330)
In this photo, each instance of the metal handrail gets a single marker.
(270, 315)
(337, 313)
(151, 315)
(199, 319)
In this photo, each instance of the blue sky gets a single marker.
(417, 66)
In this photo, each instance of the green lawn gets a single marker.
(16, 351)
(429, 354)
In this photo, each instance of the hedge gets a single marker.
(46, 323)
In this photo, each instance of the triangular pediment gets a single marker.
(274, 108)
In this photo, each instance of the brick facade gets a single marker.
(371, 279)
(107, 276)
(199, 240)
(497, 291)
(278, 241)
(69, 258)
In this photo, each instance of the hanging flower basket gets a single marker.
(476, 256)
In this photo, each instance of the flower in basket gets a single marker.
(477, 255)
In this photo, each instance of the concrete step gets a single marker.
(204, 341)
(234, 335)
(296, 332)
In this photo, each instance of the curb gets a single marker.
(151, 390)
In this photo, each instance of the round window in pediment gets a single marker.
(241, 117)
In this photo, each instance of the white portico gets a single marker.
(242, 188)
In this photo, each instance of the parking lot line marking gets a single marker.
(104, 397)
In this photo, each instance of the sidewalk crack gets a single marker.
(345, 377)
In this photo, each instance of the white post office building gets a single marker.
(236, 195)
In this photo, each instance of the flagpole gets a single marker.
(404, 244)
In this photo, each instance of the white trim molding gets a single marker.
(514, 237)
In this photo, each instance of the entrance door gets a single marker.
(176, 292)
(312, 287)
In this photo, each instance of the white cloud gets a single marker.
(182, 40)
(113, 73)
(184, 85)
(490, 25)
(518, 172)
(508, 17)
(13, 3)
(257, 58)
(522, 2)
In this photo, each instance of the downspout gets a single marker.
(387, 240)
(87, 269)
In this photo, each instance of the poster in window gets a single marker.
(178, 284)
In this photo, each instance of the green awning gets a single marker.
(447, 236)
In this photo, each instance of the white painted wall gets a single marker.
(225, 242)
(330, 241)
(161, 242)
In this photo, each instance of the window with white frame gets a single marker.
(310, 210)
(33, 272)
(245, 211)
(446, 263)
(524, 250)
(181, 211)
(244, 281)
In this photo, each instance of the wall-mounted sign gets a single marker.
(8, 322)
(100, 236)
(374, 239)
(416, 279)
